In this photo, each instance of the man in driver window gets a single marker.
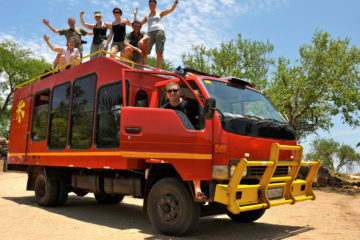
(177, 103)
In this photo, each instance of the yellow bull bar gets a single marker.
(241, 197)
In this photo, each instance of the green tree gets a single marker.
(242, 58)
(17, 65)
(333, 154)
(324, 83)
(166, 65)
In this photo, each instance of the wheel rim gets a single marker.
(168, 207)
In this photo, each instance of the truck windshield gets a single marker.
(237, 101)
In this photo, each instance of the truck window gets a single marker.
(141, 99)
(109, 104)
(82, 112)
(59, 116)
(40, 116)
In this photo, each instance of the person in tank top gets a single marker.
(99, 30)
(156, 30)
(118, 32)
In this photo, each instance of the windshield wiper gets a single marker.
(253, 116)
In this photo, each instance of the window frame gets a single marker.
(70, 127)
(68, 119)
(97, 108)
(32, 115)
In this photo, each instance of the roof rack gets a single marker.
(64, 66)
(197, 72)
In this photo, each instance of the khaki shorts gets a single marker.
(158, 38)
(119, 45)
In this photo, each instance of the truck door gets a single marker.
(167, 136)
(19, 130)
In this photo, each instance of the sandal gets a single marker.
(200, 196)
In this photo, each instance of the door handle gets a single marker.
(132, 130)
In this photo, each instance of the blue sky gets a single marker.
(285, 23)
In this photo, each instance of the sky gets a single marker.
(287, 24)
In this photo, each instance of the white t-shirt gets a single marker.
(67, 53)
(154, 23)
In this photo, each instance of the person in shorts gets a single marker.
(136, 44)
(156, 30)
(117, 32)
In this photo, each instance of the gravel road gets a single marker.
(335, 214)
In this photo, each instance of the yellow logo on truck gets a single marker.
(20, 113)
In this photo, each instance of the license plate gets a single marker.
(273, 193)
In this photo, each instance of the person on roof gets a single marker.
(71, 32)
(156, 29)
(99, 30)
(118, 31)
(136, 44)
(68, 54)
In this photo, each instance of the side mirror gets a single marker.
(209, 108)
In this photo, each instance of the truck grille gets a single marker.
(259, 171)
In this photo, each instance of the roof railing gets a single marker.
(75, 61)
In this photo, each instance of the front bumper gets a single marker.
(271, 191)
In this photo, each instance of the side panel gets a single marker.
(158, 135)
(19, 131)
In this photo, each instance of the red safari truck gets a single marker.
(99, 127)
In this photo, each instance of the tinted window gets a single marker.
(82, 112)
(59, 116)
(40, 116)
(110, 102)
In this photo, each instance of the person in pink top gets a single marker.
(68, 53)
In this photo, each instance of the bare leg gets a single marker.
(159, 59)
(62, 62)
(145, 52)
(56, 61)
(198, 193)
(114, 50)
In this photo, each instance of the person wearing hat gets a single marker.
(156, 30)
(118, 31)
(99, 29)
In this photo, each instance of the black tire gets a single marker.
(62, 193)
(46, 190)
(171, 208)
(248, 216)
(104, 198)
(80, 193)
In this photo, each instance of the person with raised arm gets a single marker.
(99, 30)
(71, 32)
(68, 54)
(118, 32)
(156, 30)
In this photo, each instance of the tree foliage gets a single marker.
(17, 65)
(333, 154)
(166, 65)
(324, 83)
(242, 58)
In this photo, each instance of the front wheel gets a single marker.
(248, 216)
(171, 208)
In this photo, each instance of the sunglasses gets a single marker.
(116, 12)
(172, 90)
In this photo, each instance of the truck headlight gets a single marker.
(220, 172)
(232, 170)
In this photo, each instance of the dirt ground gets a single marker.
(335, 214)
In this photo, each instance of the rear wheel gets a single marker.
(248, 216)
(104, 198)
(46, 190)
(171, 208)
